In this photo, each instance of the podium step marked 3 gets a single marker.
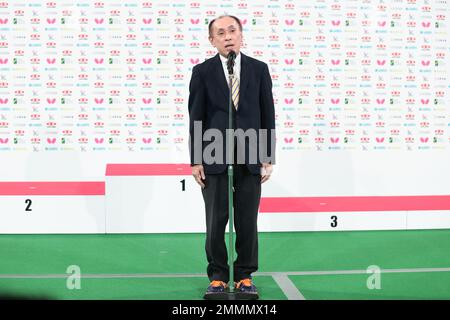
(164, 198)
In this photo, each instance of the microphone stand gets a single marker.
(231, 294)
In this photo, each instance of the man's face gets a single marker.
(226, 36)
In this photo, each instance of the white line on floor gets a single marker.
(288, 288)
(281, 278)
(198, 275)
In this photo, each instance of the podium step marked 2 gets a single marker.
(164, 198)
(52, 207)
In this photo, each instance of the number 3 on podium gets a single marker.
(334, 221)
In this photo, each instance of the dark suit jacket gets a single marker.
(208, 103)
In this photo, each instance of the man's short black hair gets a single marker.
(223, 16)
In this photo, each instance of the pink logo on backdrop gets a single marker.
(288, 101)
(335, 101)
(289, 61)
(334, 140)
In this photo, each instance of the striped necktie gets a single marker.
(235, 91)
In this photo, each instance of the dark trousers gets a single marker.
(247, 194)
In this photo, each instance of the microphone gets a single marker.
(230, 61)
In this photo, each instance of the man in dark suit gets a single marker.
(252, 113)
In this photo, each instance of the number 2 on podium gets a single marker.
(28, 203)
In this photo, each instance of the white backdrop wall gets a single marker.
(361, 89)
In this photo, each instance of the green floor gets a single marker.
(113, 265)
(423, 285)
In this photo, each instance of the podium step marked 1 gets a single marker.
(52, 207)
(152, 198)
(164, 198)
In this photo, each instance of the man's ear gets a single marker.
(211, 41)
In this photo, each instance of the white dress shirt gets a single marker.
(236, 68)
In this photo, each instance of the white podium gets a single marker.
(52, 207)
(354, 213)
(153, 198)
(164, 198)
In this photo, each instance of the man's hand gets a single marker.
(266, 171)
(199, 174)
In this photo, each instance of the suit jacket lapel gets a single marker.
(220, 76)
(243, 77)
(221, 80)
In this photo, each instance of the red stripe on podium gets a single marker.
(354, 203)
(53, 188)
(147, 169)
